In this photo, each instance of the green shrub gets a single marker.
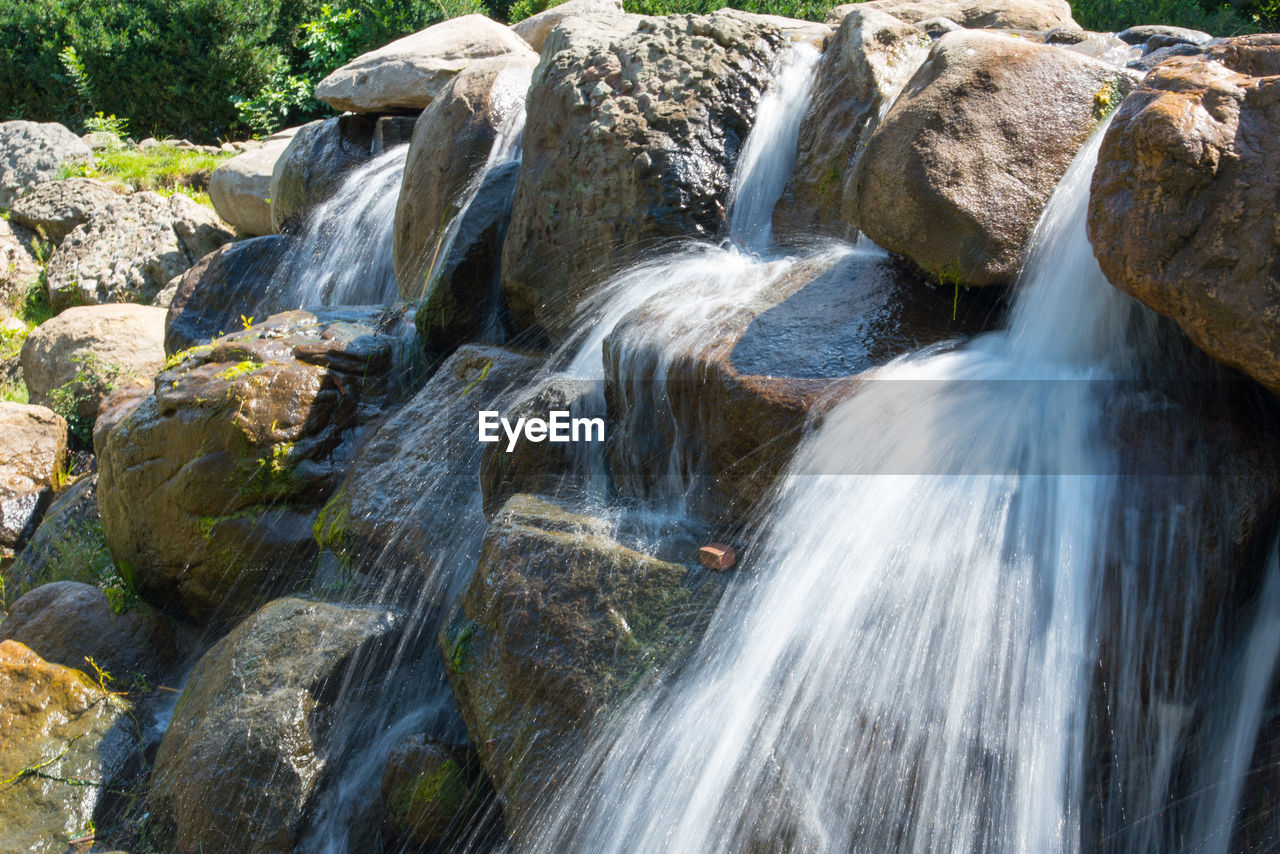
(1115, 15)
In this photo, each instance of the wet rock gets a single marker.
(451, 142)
(1164, 35)
(1182, 214)
(131, 248)
(68, 545)
(634, 127)
(31, 153)
(559, 622)
(391, 131)
(208, 488)
(32, 458)
(958, 172)
(80, 737)
(56, 207)
(1148, 61)
(410, 72)
(430, 791)
(863, 69)
(82, 353)
(224, 289)
(314, 164)
(536, 28)
(1037, 15)
(410, 497)
(249, 744)
(240, 188)
(67, 621)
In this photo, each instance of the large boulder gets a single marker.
(1038, 15)
(32, 458)
(64, 741)
(208, 488)
(69, 621)
(411, 499)
(559, 622)
(957, 173)
(634, 128)
(20, 265)
(408, 73)
(31, 153)
(430, 791)
(240, 188)
(56, 207)
(1183, 211)
(860, 73)
(250, 741)
(536, 28)
(314, 164)
(68, 546)
(131, 248)
(225, 289)
(85, 351)
(451, 142)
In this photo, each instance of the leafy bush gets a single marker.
(1116, 15)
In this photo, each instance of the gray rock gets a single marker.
(536, 28)
(936, 28)
(314, 164)
(1037, 15)
(19, 264)
(56, 207)
(131, 249)
(1143, 33)
(32, 457)
(31, 153)
(240, 188)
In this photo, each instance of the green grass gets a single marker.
(163, 169)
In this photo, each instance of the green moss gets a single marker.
(460, 646)
(183, 355)
(1105, 100)
(240, 369)
(829, 178)
(330, 528)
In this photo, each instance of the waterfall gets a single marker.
(344, 254)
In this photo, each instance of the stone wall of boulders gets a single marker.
(278, 506)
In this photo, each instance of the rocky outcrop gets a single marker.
(223, 290)
(1183, 211)
(209, 487)
(1156, 36)
(248, 746)
(32, 457)
(314, 164)
(408, 73)
(957, 173)
(67, 621)
(131, 248)
(77, 734)
(450, 224)
(20, 266)
(1037, 15)
(634, 127)
(31, 153)
(558, 622)
(429, 791)
(240, 188)
(410, 498)
(86, 350)
(68, 545)
(860, 73)
(536, 28)
(56, 207)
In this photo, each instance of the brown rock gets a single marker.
(32, 457)
(956, 175)
(1183, 212)
(314, 164)
(1038, 15)
(430, 791)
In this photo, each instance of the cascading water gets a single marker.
(912, 666)
(344, 255)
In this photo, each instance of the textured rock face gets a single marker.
(861, 72)
(209, 487)
(429, 790)
(19, 265)
(1183, 207)
(119, 342)
(32, 455)
(536, 28)
(408, 73)
(222, 290)
(66, 621)
(411, 496)
(131, 248)
(558, 622)
(314, 164)
(56, 207)
(957, 174)
(68, 545)
(248, 745)
(240, 188)
(451, 142)
(31, 153)
(1039, 15)
(634, 127)
(56, 719)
